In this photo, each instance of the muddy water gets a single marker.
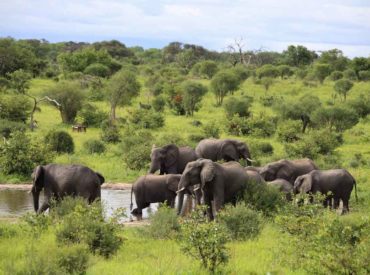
(17, 202)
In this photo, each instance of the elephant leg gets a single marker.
(208, 202)
(345, 205)
(137, 212)
(45, 205)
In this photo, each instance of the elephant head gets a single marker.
(243, 151)
(38, 184)
(235, 150)
(199, 171)
(274, 170)
(164, 159)
(303, 184)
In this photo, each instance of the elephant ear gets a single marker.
(173, 182)
(38, 176)
(306, 185)
(171, 155)
(101, 178)
(228, 149)
(208, 171)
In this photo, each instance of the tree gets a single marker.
(97, 69)
(335, 59)
(298, 56)
(186, 59)
(285, 71)
(342, 87)
(122, 87)
(360, 64)
(267, 70)
(208, 68)
(300, 109)
(321, 71)
(339, 118)
(14, 108)
(192, 95)
(68, 98)
(361, 104)
(223, 83)
(239, 106)
(266, 82)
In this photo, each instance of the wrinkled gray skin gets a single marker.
(337, 181)
(287, 169)
(220, 183)
(59, 181)
(254, 175)
(170, 159)
(154, 188)
(254, 168)
(223, 149)
(283, 186)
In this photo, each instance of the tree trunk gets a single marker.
(113, 113)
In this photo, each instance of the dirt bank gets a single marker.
(27, 186)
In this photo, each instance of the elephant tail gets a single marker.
(131, 204)
(354, 181)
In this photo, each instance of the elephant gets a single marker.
(254, 168)
(287, 169)
(254, 175)
(339, 182)
(226, 149)
(59, 181)
(283, 186)
(220, 183)
(154, 188)
(170, 159)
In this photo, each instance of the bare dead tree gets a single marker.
(237, 52)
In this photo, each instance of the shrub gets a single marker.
(241, 72)
(86, 225)
(237, 126)
(109, 132)
(146, 119)
(136, 147)
(289, 131)
(170, 138)
(361, 105)
(267, 82)
(263, 198)
(242, 222)
(223, 83)
(268, 100)
(89, 115)
(14, 108)
(262, 126)
(342, 87)
(19, 155)
(350, 74)
(163, 223)
(238, 106)
(97, 69)
(264, 148)
(364, 75)
(208, 68)
(73, 259)
(336, 75)
(158, 103)
(204, 241)
(60, 142)
(93, 146)
(195, 138)
(211, 130)
(268, 71)
(7, 127)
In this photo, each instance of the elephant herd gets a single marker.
(196, 173)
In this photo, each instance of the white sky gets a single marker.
(272, 25)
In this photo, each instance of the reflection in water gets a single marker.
(18, 202)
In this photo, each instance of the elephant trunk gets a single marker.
(181, 192)
(35, 195)
(180, 202)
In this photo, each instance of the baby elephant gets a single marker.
(337, 181)
(154, 188)
(283, 186)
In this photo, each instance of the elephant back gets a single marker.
(186, 155)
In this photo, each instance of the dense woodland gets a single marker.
(295, 104)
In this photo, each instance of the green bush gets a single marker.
(7, 127)
(364, 75)
(170, 138)
(136, 147)
(7, 231)
(91, 116)
(242, 222)
(264, 198)
(262, 126)
(237, 126)
(361, 105)
(269, 100)
(336, 75)
(262, 148)
(73, 259)
(195, 138)
(239, 106)
(289, 130)
(97, 69)
(93, 146)
(86, 225)
(19, 155)
(60, 142)
(350, 74)
(109, 132)
(211, 130)
(204, 241)
(158, 103)
(164, 223)
(14, 108)
(146, 119)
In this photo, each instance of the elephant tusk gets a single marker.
(182, 189)
(251, 160)
(195, 189)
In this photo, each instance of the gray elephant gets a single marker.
(254, 175)
(154, 188)
(223, 149)
(220, 183)
(254, 168)
(287, 169)
(283, 186)
(338, 182)
(59, 181)
(170, 159)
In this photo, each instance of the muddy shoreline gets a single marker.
(27, 186)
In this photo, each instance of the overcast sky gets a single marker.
(272, 25)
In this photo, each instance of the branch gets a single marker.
(50, 100)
